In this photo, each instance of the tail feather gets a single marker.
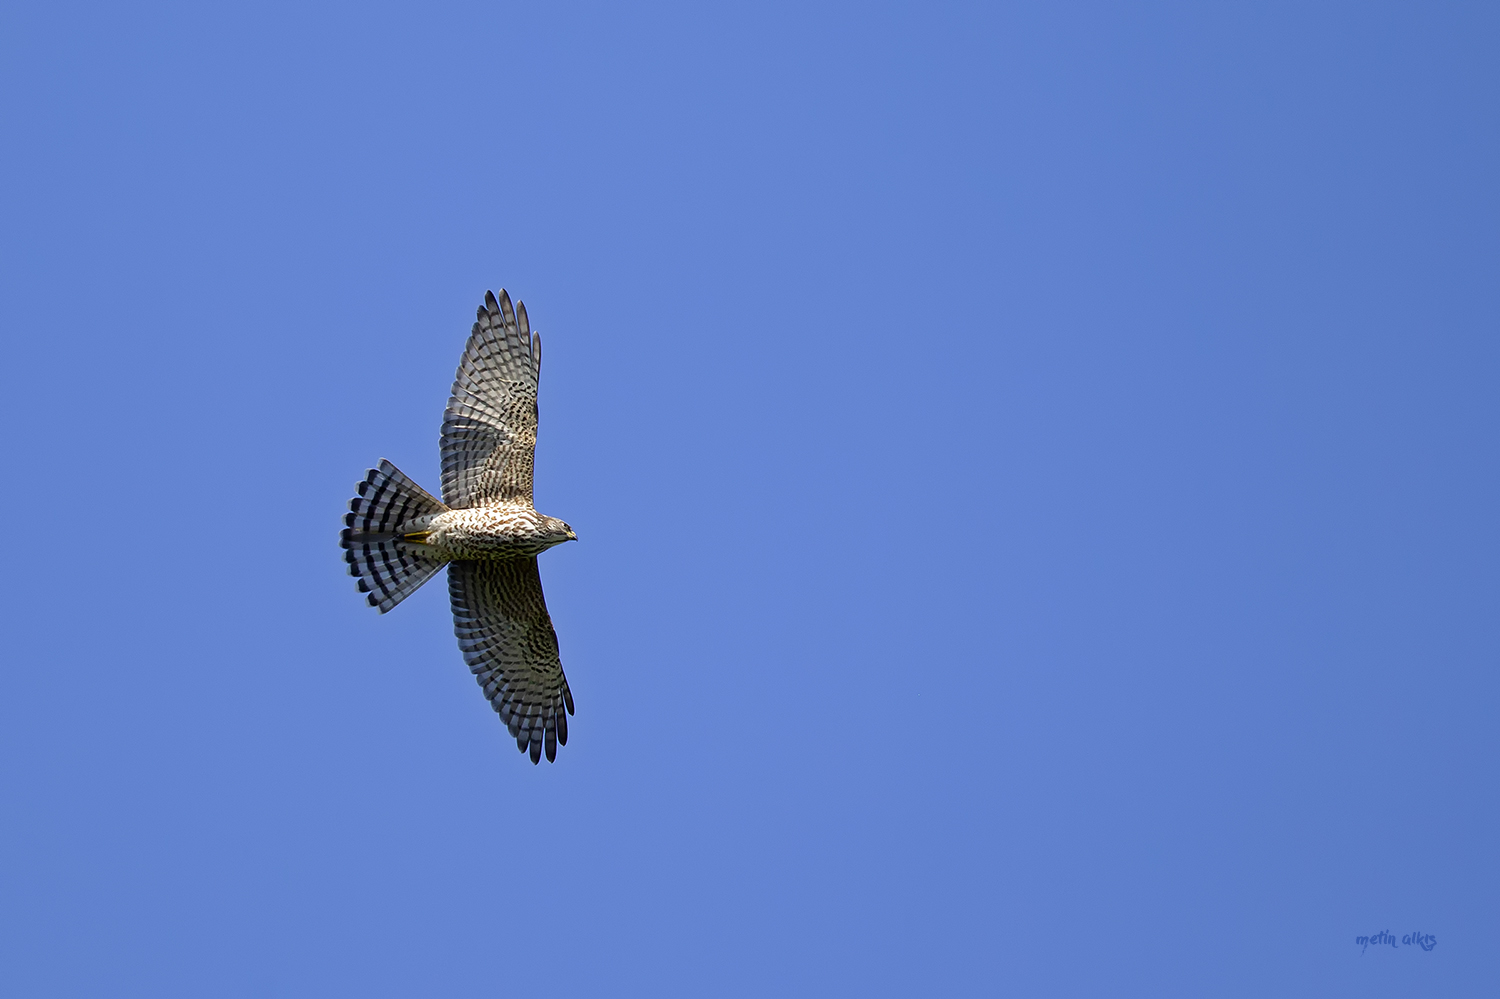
(388, 569)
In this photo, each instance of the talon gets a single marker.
(418, 537)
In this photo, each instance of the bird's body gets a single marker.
(485, 530)
(486, 533)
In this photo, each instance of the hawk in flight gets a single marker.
(486, 531)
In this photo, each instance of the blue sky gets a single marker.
(1034, 468)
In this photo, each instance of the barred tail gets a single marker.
(389, 569)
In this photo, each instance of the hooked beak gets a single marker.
(572, 536)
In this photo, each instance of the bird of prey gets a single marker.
(485, 530)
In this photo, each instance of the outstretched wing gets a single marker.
(489, 428)
(507, 639)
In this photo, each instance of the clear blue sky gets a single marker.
(1035, 468)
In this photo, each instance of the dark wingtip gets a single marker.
(489, 301)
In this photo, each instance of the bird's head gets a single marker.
(558, 531)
